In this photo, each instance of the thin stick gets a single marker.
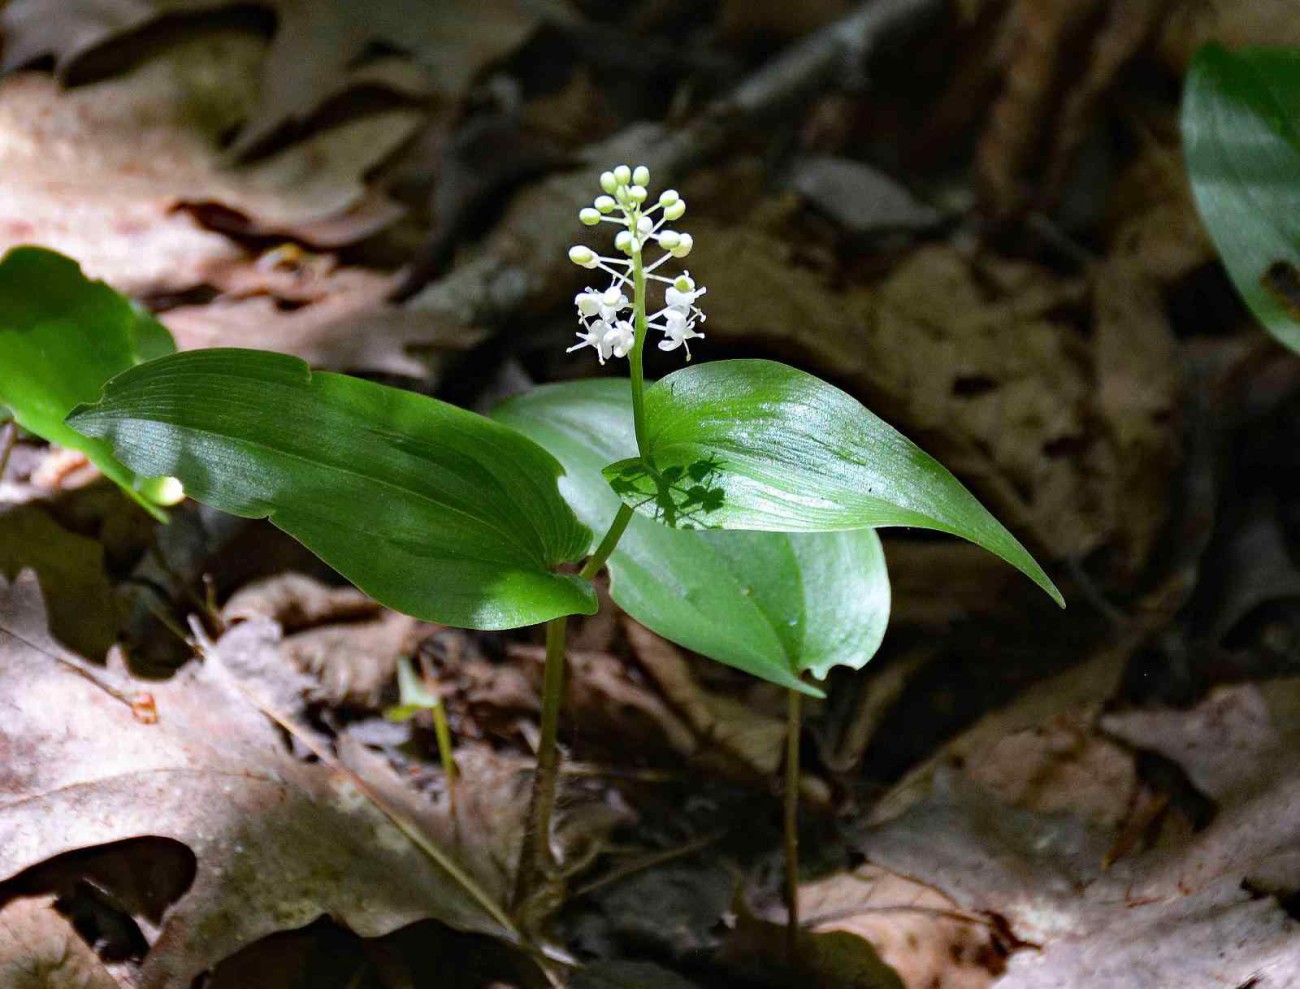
(793, 724)
(442, 735)
(536, 861)
(8, 437)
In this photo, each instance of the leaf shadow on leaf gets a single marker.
(684, 497)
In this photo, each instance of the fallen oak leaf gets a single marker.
(318, 51)
(40, 949)
(100, 172)
(278, 842)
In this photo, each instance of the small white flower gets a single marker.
(588, 303)
(593, 335)
(602, 312)
(619, 338)
(678, 328)
(682, 293)
(612, 302)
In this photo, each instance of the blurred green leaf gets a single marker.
(430, 509)
(754, 444)
(1240, 120)
(62, 336)
(770, 603)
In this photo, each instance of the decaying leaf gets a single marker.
(1194, 909)
(340, 320)
(871, 928)
(99, 172)
(70, 568)
(278, 842)
(318, 52)
(40, 949)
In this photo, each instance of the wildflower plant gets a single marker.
(734, 502)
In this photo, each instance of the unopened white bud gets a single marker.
(608, 182)
(623, 241)
(683, 247)
(582, 256)
(675, 210)
(669, 239)
(589, 216)
(668, 197)
(622, 175)
(644, 225)
(606, 204)
(641, 175)
(637, 193)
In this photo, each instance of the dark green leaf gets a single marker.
(430, 509)
(770, 603)
(62, 336)
(760, 445)
(1241, 138)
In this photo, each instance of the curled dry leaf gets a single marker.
(344, 644)
(99, 172)
(278, 843)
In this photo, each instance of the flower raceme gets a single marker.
(605, 326)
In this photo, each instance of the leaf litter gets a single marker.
(994, 802)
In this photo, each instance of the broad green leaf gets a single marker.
(1241, 139)
(773, 604)
(754, 444)
(430, 509)
(62, 336)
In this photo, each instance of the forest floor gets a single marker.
(971, 215)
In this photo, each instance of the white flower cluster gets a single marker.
(605, 327)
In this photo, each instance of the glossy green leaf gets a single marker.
(1241, 139)
(773, 604)
(759, 445)
(62, 335)
(430, 509)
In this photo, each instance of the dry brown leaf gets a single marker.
(70, 568)
(40, 949)
(321, 49)
(278, 842)
(1152, 223)
(1180, 913)
(723, 727)
(99, 172)
(1043, 31)
(1137, 398)
(341, 320)
(354, 663)
(871, 928)
(345, 644)
(297, 601)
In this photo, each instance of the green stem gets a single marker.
(537, 866)
(536, 861)
(606, 547)
(636, 359)
(793, 725)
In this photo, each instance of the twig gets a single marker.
(8, 437)
(648, 862)
(790, 825)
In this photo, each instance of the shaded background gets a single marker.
(972, 215)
